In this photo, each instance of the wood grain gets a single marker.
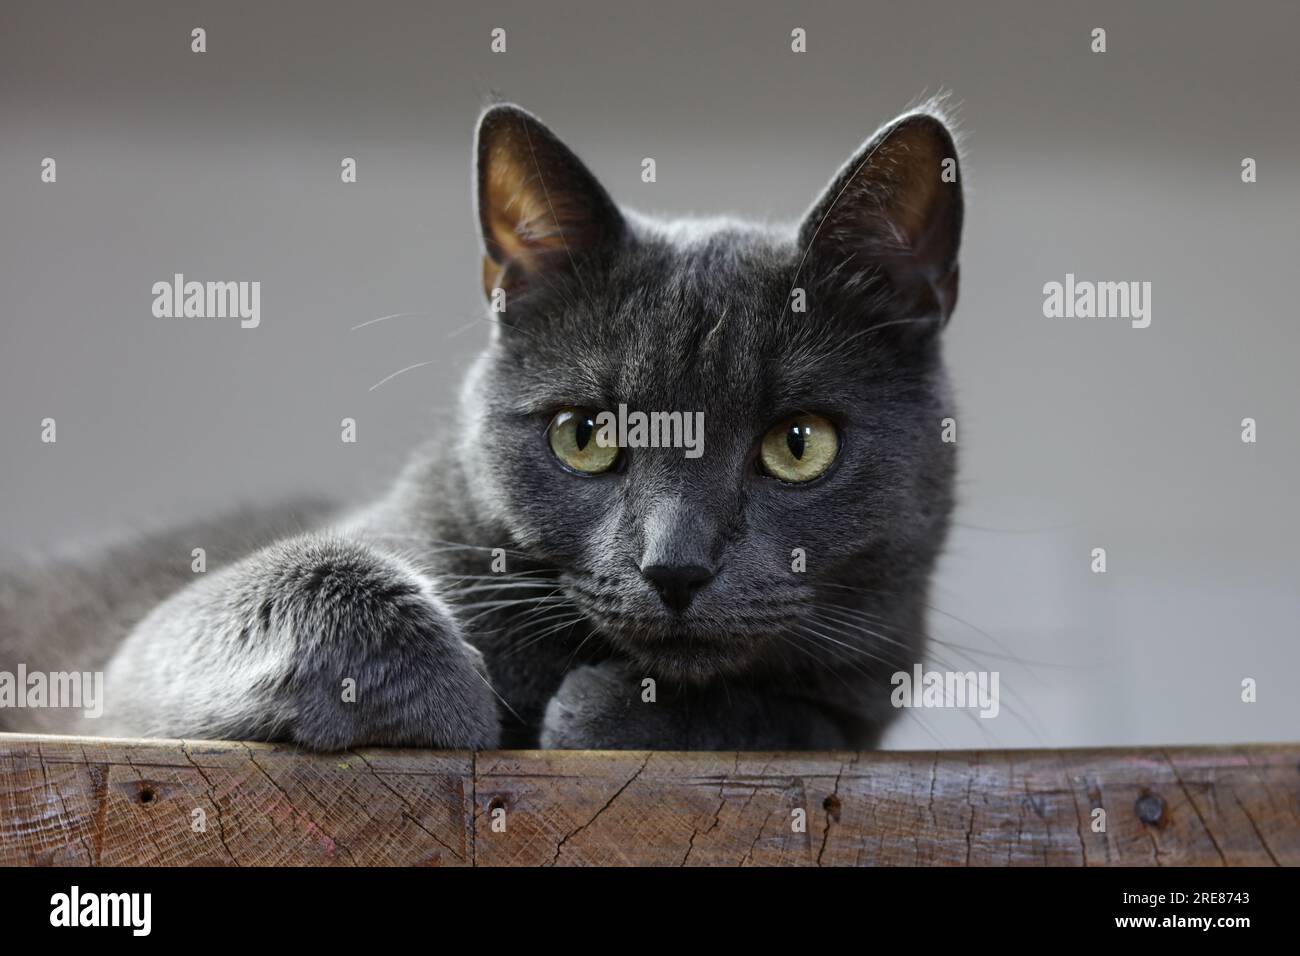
(78, 801)
(82, 801)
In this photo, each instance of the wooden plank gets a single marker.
(74, 801)
(82, 801)
(1202, 806)
(1205, 805)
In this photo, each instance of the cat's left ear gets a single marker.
(540, 209)
(894, 211)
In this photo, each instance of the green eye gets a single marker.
(799, 448)
(573, 437)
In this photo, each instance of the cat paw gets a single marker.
(599, 707)
(377, 658)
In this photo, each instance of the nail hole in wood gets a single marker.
(832, 807)
(1150, 809)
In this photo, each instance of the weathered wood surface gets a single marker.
(76, 801)
(107, 802)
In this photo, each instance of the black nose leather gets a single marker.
(677, 584)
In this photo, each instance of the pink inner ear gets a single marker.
(517, 213)
(540, 209)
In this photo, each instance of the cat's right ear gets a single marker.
(539, 208)
(894, 213)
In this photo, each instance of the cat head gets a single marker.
(811, 354)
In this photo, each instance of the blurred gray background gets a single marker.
(1074, 434)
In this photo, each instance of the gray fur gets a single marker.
(400, 596)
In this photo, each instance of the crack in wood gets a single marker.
(332, 844)
(608, 803)
(1195, 809)
(216, 803)
(879, 808)
(408, 811)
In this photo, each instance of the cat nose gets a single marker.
(677, 584)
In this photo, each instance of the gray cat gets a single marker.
(528, 580)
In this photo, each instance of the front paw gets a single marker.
(378, 658)
(600, 707)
